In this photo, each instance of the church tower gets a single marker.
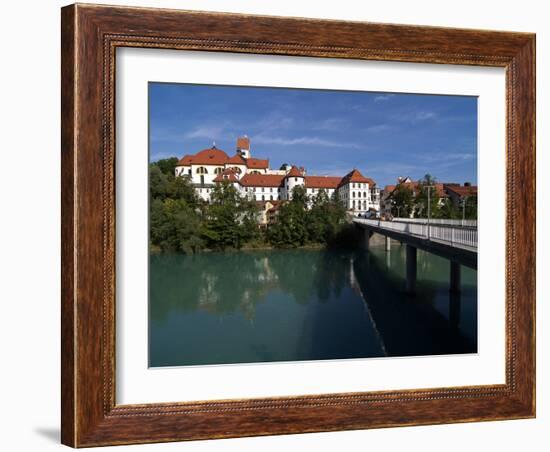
(243, 146)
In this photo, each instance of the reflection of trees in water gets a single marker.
(232, 282)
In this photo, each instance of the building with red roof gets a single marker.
(444, 191)
(254, 178)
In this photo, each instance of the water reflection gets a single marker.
(288, 305)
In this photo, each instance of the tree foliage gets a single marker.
(303, 220)
(427, 200)
(231, 220)
(402, 201)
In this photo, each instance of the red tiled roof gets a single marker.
(262, 180)
(440, 189)
(257, 163)
(227, 175)
(322, 181)
(356, 176)
(210, 156)
(294, 172)
(243, 143)
(389, 188)
(185, 160)
(463, 191)
(237, 160)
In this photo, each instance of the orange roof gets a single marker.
(294, 172)
(389, 188)
(322, 181)
(212, 156)
(227, 175)
(243, 143)
(257, 163)
(262, 180)
(237, 160)
(440, 189)
(356, 176)
(463, 191)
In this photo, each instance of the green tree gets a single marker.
(290, 230)
(449, 210)
(402, 201)
(167, 166)
(325, 218)
(175, 226)
(231, 220)
(427, 192)
(470, 207)
(159, 182)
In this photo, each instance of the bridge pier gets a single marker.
(365, 239)
(454, 309)
(411, 269)
(455, 277)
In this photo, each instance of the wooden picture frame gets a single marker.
(90, 36)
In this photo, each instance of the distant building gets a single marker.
(458, 194)
(445, 190)
(252, 177)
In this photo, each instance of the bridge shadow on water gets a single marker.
(415, 325)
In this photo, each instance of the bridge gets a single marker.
(455, 240)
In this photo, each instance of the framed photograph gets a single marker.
(282, 225)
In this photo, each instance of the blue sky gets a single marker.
(328, 132)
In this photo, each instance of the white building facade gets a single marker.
(252, 177)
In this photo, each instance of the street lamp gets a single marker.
(464, 209)
(429, 187)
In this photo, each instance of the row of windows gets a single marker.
(271, 198)
(261, 189)
(317, 190)
(358, 205)
(203, 170)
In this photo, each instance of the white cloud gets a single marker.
(424, 115)
(211, 132)
(383, 97)
(305, 140)
(331, 124)
(414, 116)
(378, 128)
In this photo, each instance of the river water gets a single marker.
(291, 305)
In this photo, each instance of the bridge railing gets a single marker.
(449, 234)
(442, 221)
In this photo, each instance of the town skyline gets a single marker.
(384, 135)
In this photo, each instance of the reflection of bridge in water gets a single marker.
(454, 240)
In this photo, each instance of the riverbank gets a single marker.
(153, 249)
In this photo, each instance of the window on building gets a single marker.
(263, 198)
(353, 204)
(295, 179)
(202, 180)
(218, 171)
(189, 172)
(271, 197)
(202, 170)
